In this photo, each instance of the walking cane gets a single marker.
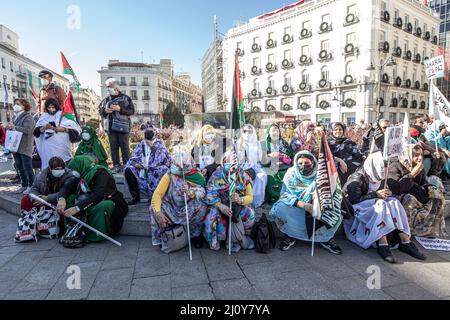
(186, 206)
(45, 203)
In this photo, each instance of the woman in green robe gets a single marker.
(94, 193)
(91, 146)
(278, 159)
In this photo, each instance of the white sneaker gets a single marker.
(27, 191)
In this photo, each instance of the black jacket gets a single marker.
(357, 187)
(125, 103)
(400, 182)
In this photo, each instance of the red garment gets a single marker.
(26, 204)
(2, 136)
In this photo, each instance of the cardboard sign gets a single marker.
(435, 67)
(393, 142)
(434, 244)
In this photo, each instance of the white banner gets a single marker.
(439, 106)
(434, 244)
(12, 140)
(393, 142)
(435, 67)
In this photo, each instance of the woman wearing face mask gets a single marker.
(218, 217)
(293, 212)
(93, 194)
(91, 146)
(204, 151)
(377, 214)
(423, 202)
(23, 122)
(54, 134)
(250, 155)
(168, 205)
(346, 154)
(48, 183)
(278, 161)
(150, 162)
(437, 134)
(305, 138)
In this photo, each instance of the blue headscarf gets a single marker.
(297, 187)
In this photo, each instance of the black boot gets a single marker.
(412, 250)
(198, 242)
(134, 201)
(386, 253)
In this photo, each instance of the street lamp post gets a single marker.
(390, 62)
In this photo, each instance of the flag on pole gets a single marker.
(67, 69)
(237, 104)
(161, 120)
(439, 106)
(31, 86)
(329, 195)
(69, 114)
(6, 96)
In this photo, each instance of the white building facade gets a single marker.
(20, 74)
(148, 85)
(87, 103)
(312, 60)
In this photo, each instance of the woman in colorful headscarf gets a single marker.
(346, 154)
(204, 151)
(293, 212)
(150, 162)
(168, 206)
(437, 134)
(305, 138)
(96, 195)
(377, 214)
(278, 160)
(423, 202)
(91, 146)
(218, 198)
(250, 154)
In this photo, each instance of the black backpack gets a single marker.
(263, 235)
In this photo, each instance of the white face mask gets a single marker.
(76, 174)
(86, 136)
(17, 108)
(45, 82)
(209, 137)
(112, 91)
(58, 173)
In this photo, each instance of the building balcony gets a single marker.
(133, 84)
(145, 84)
(146, 98)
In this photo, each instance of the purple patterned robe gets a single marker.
(158, 164)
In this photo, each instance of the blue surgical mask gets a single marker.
(86, 136)
(58, 173)
(76, 174)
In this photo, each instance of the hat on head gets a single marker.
(45, 73)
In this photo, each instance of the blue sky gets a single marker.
(179, 29)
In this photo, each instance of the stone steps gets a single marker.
(137, 222)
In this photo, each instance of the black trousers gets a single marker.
(119, 141)
(132, 184)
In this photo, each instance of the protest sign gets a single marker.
(434, 244)
(435, 67)
(393, 142)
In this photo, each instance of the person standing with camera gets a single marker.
(117, 110)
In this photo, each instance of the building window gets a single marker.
(349, 71)
(271, 58)
(351, 38)
(324, 45)
(406, 19)
(416, 24)
(383, 6)
(414, 77)
(326, 18)
(406, 46)
(351, 9)
(396, 43)
(239, 45)
(382, 36)
(256, 85)
(3, 63)
(325, 73)
(256, 40)
(123, 82)
(396, 14)
(305, 76)
(288, 55)
(405, 73)
(425, 27)
(272, 35)
(271, 82)
(11, 66)
(305, 50)
(306, 25)
(257, 62)
(287, 79)
(287, 30)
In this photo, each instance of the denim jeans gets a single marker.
(25, 168)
